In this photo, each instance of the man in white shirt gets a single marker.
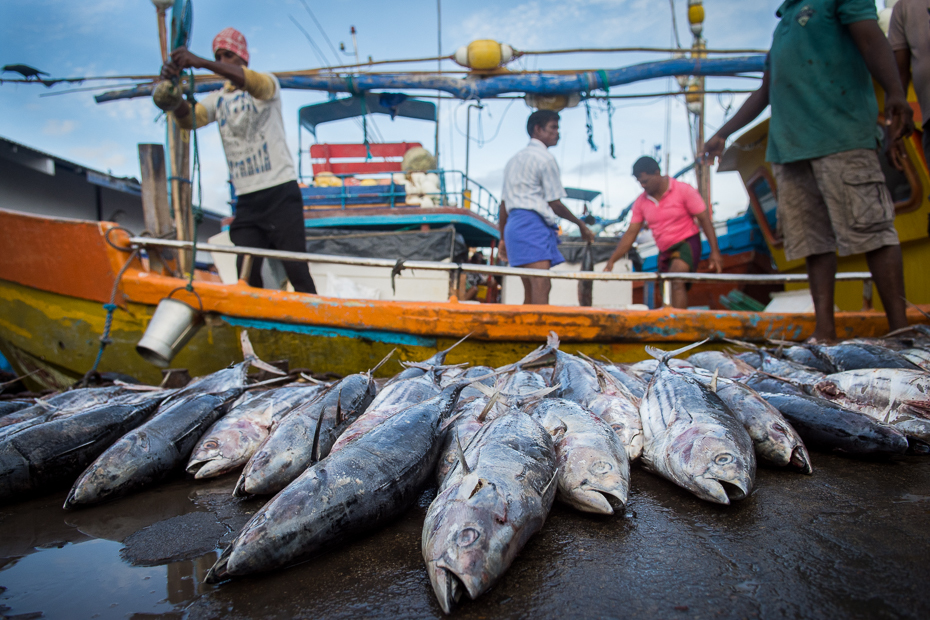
(909, 36)
(269, 206)
(531, 206)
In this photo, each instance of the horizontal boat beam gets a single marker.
(477, 87)
(665, 278)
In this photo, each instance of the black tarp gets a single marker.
(601, 249)
(434, 245)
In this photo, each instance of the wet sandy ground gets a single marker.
(853, 540)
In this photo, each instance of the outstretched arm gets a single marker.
(747, 113)
(716, 260)
(626, 242)
(562, 211)
(182, 58)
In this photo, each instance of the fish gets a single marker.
(12, 406)
(727, 366)
(782, 368)
(826, 425)
(898, 397)
(369, 482)
(631, 381)
(306, 435)
(48, 456)
(774, 439)
(59, 406)
(413, 371)
(804, 356)
(691, 437)
(645, 369)
(393, 398)
(589, 385)
(234, 438)
(521, 383)
(920, 357)
(593, 464)
(469, 416)
(497, 496)
(859, 355)
(160, 446)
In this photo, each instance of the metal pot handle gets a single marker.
(184, 288)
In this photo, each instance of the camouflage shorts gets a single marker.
(838, 203)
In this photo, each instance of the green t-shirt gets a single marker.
(820, 89)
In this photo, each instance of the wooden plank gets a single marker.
(155, 209)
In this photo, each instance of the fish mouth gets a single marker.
(723, 491)
(598, 501)
(448, 588)
(802, 460)
(734, 492)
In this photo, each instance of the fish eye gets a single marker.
(600, 467)
(467, 537)
(210, 445)
(724, 459)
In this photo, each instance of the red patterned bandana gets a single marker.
(232, 40)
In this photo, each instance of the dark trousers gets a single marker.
(273, 219)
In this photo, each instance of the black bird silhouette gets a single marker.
(24, 70)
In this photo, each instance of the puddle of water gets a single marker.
(90, 580)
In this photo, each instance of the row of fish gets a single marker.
(502, 444)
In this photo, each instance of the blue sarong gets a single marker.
(529, 239)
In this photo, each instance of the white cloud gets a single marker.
(107, 155)
(59, 127)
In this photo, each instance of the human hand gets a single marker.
(609, 266)
(502, 251)
(586, 233)
(713, 148)
(899, 117)
(716, 261)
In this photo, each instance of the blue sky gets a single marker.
(114, 37)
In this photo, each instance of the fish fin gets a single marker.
(461, 455)
(315, 448)
(915, 307)
(249, 355)
(446, 351)
(665, 356)
(450, 421)
(537, 395)
(561, 429)
(382, 362)
(742, 343)
(713, 381)
(339, 419)
(552, 341)
(307, 377)
(268, 382)
(490, 405)
(549, 484)
(484, 389)
(793, 382)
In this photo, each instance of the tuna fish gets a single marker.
(306, 435)
(920, 357)
(47, 456)
(58, 406)
(726, 365)
(495, 499)
(393, 398)
(592, 461)
(234, 438)
(828, 426)
(691, 437)
(358, 488)
(12, 406)
(645, 369)
(470, 413)
(892, 396)
(417, 370)
(162, 445)
(775, 441)
(589, 385)
(632, 382)
(857, 356)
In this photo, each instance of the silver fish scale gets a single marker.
(693, 440)
(480, 520)
(522, 383)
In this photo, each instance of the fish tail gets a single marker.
(249, 355)
(445, 352)
(552, 341)
(664, 356)
(742, 343)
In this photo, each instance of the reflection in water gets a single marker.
(90, 580)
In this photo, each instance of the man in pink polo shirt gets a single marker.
(669, 207)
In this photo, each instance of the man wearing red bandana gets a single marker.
(269, 205)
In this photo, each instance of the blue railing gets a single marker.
(455, 190)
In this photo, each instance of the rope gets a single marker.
(610, 111)
(196, 210)
(110, 307)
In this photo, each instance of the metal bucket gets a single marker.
(171, 327)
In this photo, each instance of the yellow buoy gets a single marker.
(484, 55)
(696, 17)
